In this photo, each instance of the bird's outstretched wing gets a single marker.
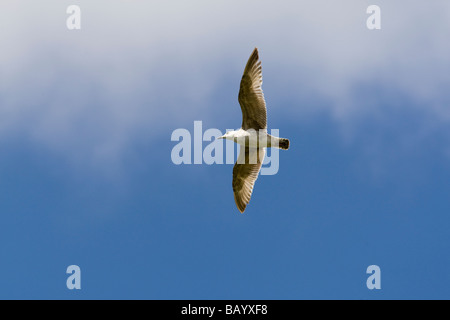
(245, 173)
(251, 97)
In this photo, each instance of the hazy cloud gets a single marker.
(138, 66)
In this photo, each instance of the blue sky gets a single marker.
(86, 176)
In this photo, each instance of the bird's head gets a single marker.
(226, 136)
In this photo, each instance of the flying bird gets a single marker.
(252, 136)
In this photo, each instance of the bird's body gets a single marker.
(255, 139)
(252, 136)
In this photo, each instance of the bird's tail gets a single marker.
(283, 143)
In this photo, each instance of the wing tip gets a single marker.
(255, 53)
(241, 205)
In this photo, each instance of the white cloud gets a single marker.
(136, 66)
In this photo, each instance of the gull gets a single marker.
(252, 136)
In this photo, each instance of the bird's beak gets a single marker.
(222, 137)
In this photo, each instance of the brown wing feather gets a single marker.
(245, 173)
(251, 97)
